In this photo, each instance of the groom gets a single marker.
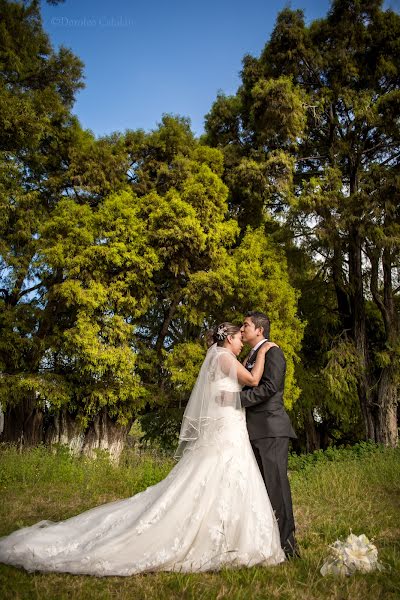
(269, 426)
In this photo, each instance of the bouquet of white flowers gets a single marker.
(357, 553)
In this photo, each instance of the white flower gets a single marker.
(357, 553)
(221, 333)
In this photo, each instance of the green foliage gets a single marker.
(37, 88)
(277, 112)
(184, 363)
(263, 285)
(106, 260)
(342, 371)
(207, 273)
(359, 451)
(161, 428)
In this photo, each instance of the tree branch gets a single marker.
(31, 289)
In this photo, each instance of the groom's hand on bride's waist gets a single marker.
(225, 398)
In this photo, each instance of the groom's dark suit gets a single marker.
(269, 430)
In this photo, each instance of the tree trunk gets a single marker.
(169, 315)
(311, 433)
(105, 434)
(386, 414)
(102, 434)
(324, 437)
(65, 430)
(359, 331)
(367, 409)
(23, 423)
(341, 288)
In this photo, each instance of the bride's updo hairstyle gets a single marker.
(220, 333)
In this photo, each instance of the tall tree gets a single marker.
(37, 88)
(344, 200)
(209, 273)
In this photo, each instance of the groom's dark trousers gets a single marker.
(269, 430)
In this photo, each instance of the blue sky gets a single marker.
(143, 59)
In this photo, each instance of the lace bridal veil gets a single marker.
(214, 396)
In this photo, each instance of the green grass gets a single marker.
(356, 489)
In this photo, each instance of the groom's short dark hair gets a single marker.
(260, 320)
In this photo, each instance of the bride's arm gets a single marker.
(244, 376)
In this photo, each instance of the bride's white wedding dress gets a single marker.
(212, 510)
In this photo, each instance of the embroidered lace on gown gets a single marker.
(211, 511)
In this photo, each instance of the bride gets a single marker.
(211, 511)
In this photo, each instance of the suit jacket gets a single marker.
(265, 412)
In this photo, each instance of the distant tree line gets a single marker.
(118, 253)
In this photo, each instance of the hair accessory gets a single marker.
(221, 333)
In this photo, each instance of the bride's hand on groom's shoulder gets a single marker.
(262, 349)
(267, 346)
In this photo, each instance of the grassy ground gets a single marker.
(332, 494)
